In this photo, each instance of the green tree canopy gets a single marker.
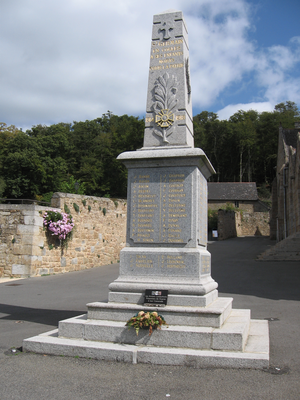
(45, 159)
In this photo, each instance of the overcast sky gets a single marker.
(73, 60)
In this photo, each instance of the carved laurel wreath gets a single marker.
(165, 95)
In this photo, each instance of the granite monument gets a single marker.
(166, 243)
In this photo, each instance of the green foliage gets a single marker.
(66, 208)
(96, 145)
(230, 207)
(33, 163)
(48, 159)
(212, 219)
(264, 192)
(84, 202)
(245, 147)
(54, 216)
(76, 207)
(72, 186)
(104, 211)
(89, 208)
(212, 215)
(2, 186)
(46, 197)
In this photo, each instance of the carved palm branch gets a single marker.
(165, 92)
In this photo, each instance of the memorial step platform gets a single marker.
(213, 315)
(239, 343)
(235, 330)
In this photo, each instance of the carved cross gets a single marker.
(167, 27)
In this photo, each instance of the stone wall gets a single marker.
(21, 239)
(255, 224)
(99, 236)
(286, 189)
(243, 205)
(226, 225)
(235, 224)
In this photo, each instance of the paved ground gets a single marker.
(32, 306)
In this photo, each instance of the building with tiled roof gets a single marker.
(242, 195)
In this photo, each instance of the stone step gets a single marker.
(173, 299)
(212, 315)
(231, 336)
(255, 354)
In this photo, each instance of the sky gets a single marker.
(73, 60)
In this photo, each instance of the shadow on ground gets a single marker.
(35, 315)
(237, 271)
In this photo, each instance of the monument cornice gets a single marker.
(169, 157)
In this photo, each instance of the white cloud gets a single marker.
(228, 111)
(75, 59)
(275, 72)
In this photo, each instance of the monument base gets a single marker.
(212, 336)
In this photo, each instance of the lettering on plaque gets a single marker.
(155, 297)
(205, 265)
(142, 261)
(160, 208)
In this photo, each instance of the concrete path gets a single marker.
(35, 305)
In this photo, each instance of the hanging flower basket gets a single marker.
(60, 226)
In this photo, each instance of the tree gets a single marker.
(244, 123)
(52, 158)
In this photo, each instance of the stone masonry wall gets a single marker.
(226, 225)
(99, 236)
(286, 196)
(235, 224)
(217, 205)
(21, 239)
(100, 231)
(255, 224)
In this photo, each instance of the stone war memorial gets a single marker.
(165, 267)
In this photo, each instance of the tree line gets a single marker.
(81, 157)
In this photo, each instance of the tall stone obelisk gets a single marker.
(167, 185)
(169, 118)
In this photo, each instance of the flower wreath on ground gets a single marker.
(60, 226)
(142, 320)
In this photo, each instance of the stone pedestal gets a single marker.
(165, 250)
(166, 227)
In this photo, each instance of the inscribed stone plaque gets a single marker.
(202, 213)
(205, 265)
(169, 262)
(161, 205)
